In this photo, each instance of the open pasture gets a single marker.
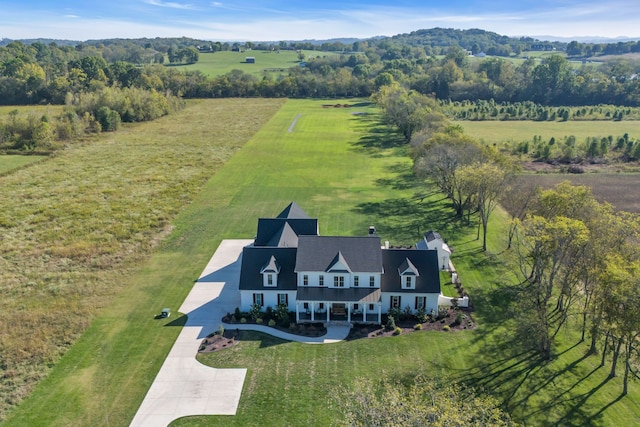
(508, 132)
(350, 172)
(621, 190)
(74, 227)
(10, 163)
(218, 63)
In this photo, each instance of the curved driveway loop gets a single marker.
(184, 386)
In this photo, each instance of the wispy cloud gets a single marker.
(171, 4)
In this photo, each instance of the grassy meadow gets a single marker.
(74, 227)
(218, 63)
(10, 163)
(342, 167)
(501, 132)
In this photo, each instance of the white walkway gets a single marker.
(184, 386)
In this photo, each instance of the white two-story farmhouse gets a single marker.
(325, 278)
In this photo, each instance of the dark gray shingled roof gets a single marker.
(255, 258)
(363, 295)
(426, 262)
(318, 253)
(293, 211)
(432, 235)
(284, 232)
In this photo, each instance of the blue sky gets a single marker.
(256, 20)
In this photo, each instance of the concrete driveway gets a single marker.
(184, 386)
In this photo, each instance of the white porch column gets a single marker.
(379, 313)
(364, 312)
(328, 311)
(313, 311)
(297, 312)
(349, 308)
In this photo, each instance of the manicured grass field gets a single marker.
(294, 384)
(9, 163)
(218, 63)
(500, 132)
(350, 172)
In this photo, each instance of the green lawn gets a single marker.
(9, 163)
(350, 172)
(516, 131)
(218, 63)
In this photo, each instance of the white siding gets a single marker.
(314, 279)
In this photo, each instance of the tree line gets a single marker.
(577, 258)
(40, 73)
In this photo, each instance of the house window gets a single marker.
(305, 280)
(371, 308)
(356, 307)
(258, 299)
(395, 301)
(270, 279)
(321, 306)
(356, 281)
(338, 281)
(372, 281)
(321, 280)
(283, 299)
(407, 281)
(305, 306)
(420, 302)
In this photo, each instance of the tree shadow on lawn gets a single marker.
(503, 367)
(378, 136)
(407, 219)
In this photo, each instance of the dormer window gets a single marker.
(408, 274)
(270, 272)
(408, 282)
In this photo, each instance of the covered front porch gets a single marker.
(316, 304)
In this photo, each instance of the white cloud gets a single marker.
(171, 4)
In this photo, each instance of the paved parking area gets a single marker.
(184, 386)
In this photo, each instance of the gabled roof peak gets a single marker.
(293, 210)
(339, 263)
(271, 266)
(407, 268)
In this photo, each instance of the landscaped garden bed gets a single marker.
(451, 319)
(279, 318)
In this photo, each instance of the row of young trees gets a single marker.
(578, 258)
(472, 176)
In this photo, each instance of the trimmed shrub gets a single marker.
(397, 331)
(418, 326)
(259, 320)
(272, 323)
(446, 328)
(220, 330)
(391, 323)
(243, 320)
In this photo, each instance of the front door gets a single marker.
(338, 309)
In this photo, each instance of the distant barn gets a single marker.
(250, 60)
